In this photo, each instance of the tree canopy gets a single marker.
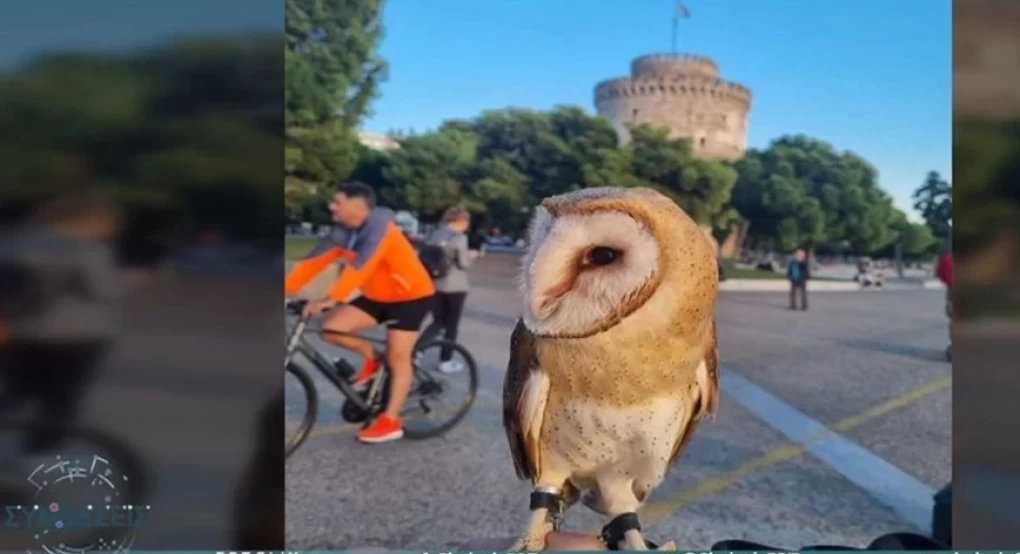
(184, 133)
(934, 201)
(503, 162)
(799, 191)
(332, 75)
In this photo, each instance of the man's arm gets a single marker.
(373, 242)
(325, 252)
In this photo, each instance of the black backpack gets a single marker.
(435, 258)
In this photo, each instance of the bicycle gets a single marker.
(361, 407)
(106, 475)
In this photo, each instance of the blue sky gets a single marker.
(871, 76)
(31, 27)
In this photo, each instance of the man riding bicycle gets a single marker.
(395, 286)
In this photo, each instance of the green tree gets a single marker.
(934, 200)
(503, 162)
(557, 151)
(917, 239)
(332, 74)
(701, 187)
(431, 172)
(182, 132)
(801, 191)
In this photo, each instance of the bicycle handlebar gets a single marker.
(296, 307)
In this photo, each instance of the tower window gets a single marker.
(702, 141)
(634, 112)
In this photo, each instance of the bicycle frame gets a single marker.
(297, 343)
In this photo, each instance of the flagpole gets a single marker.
(676, 24)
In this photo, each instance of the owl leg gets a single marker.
(547, 505)
(570, 495)
(618, 500)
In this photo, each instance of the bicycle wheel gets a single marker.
(96, 476)
(431, 387)
(297, 433)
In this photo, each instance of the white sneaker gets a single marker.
(450, 366)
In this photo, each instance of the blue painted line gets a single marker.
(909, 498)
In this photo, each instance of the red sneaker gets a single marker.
(383, 429)
(366, 373)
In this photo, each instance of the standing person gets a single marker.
(452, 285)
(944, 272)
(798, 274)
(58, 310)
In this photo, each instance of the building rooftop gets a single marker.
(377, 141)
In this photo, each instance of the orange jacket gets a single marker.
(378, 258)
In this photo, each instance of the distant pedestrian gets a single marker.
(451, 283)
(798, 273)
(944, 272)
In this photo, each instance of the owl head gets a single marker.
(597, 256)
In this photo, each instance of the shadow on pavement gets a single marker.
(899, 349)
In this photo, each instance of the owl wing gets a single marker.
(525, 389)
(707, 401)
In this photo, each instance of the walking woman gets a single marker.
(452, 286)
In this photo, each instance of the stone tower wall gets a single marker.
(684, 94)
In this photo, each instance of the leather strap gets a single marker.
(613, 532)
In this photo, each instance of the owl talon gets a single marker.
(669, 546)
(533, 540)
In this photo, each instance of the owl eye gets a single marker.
(602, 256)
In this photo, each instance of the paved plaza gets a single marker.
(834, 427)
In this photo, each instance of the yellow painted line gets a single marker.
(653, 512)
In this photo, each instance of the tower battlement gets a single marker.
(674, 63)
(683, 93)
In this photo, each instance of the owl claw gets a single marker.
(533, 539)
(669, 546)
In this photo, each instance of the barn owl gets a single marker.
(614, 360)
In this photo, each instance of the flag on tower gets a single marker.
(682, 11)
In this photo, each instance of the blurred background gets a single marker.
(141, 210)
(986, 295)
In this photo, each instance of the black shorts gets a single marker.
(406, 316)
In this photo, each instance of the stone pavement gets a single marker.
(868, 366)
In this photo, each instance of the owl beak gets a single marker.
(544, 305)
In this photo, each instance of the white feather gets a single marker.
(532, 405)
(556, 244)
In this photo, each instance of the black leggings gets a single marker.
(55, 376)
(446, 313)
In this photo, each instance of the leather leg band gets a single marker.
(548, 500)
(612, 533)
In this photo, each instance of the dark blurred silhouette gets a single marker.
(175, 111)
(58, 312)
(259, 507)
(986, 288)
